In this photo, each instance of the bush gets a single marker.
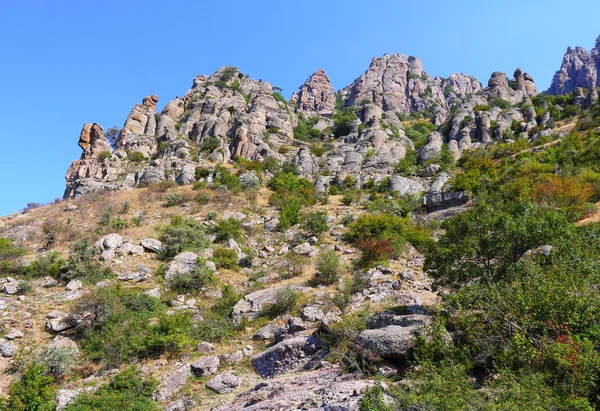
(342, 119)
(193, 281)
(135, 157)
(315, 223)
(225, 258)
(564, 193)
(304, 130)
(373, 400)
(10, 253)
(82, 265)
(201, 172)
(182, 234)
(224, 305)
(59, 361)
(350, 196)
(285, 302)
(498, 102)
(104, 155)
(173, 199)
(374, 252)
(226, 178)
(34, 391)
(227, 229)
(294, 265)
(129, 390)
(209, 145)
(124, 324)
(49, 264)
(328, 267)
(289, 215)
(379, 227)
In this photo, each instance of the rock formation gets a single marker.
(579, 68)
(316, 95)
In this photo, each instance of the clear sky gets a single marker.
(70, 62)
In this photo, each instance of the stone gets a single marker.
(171, 383)
(7, 348)
(303, 249)
(74, 285)
(326, 388)
(405, 186)
(285, 356)
(182, 404)
(432, 147)
(224, 383)
(205, 347)
(311, 314)
(109, 242)
(232, 358)
(151, 245)
(265, 333)
(92, 141)
(183, 263)
(13, 334)
(64, 344)
(205, 366)
(11, 287)
(65, 397)
(48, 282)
(23, 233)
(62, 323)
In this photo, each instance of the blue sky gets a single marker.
(67, 62)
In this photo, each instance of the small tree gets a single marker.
(315, 223)
(33, 392)
(328, 267)
(113, 135)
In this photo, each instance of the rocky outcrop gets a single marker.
(287, 355)
(579, 68)
(316, 95)
(93, 142)
(327, 388)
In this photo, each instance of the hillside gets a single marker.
(408, 242)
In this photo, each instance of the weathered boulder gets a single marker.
(151, 245)
(224, 383)
(92, 141)
(183, 263)
(171, 383)
(205, 366)
(285, 356)
(252, 304)
(7, 348)
(405, 186)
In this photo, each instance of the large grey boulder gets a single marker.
(224, 383)
(183, 263)
(432, 147)
(285, 356)
(7, 348)
(151, 245)
(405, 186)
(249, 181)
(171, 383)
(205, 366)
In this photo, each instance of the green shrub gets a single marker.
(224, 305)
(294, 265)
(277, 96)
(129, 390)
(328, 267)
(418, 132)
(82, 265)
(59, 361)
(271, 165)
(289, 215)
(193, 281)
(34, 391)
(214, 328)
(342, 119)
(136, 157)
(49, 264)
(182, 234)
(408, 164)
(350, 197)
(210, 144)
(10, 253)
(225, 258)
(285, 302)
(304, 130)
(173, 199)
(498, 102)
(379, 227)
(104, 155)
(118, 326)
(118, 223)
(373, 400)
(315, 223)
(201, 172)
(227, 229)
(225, 178)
